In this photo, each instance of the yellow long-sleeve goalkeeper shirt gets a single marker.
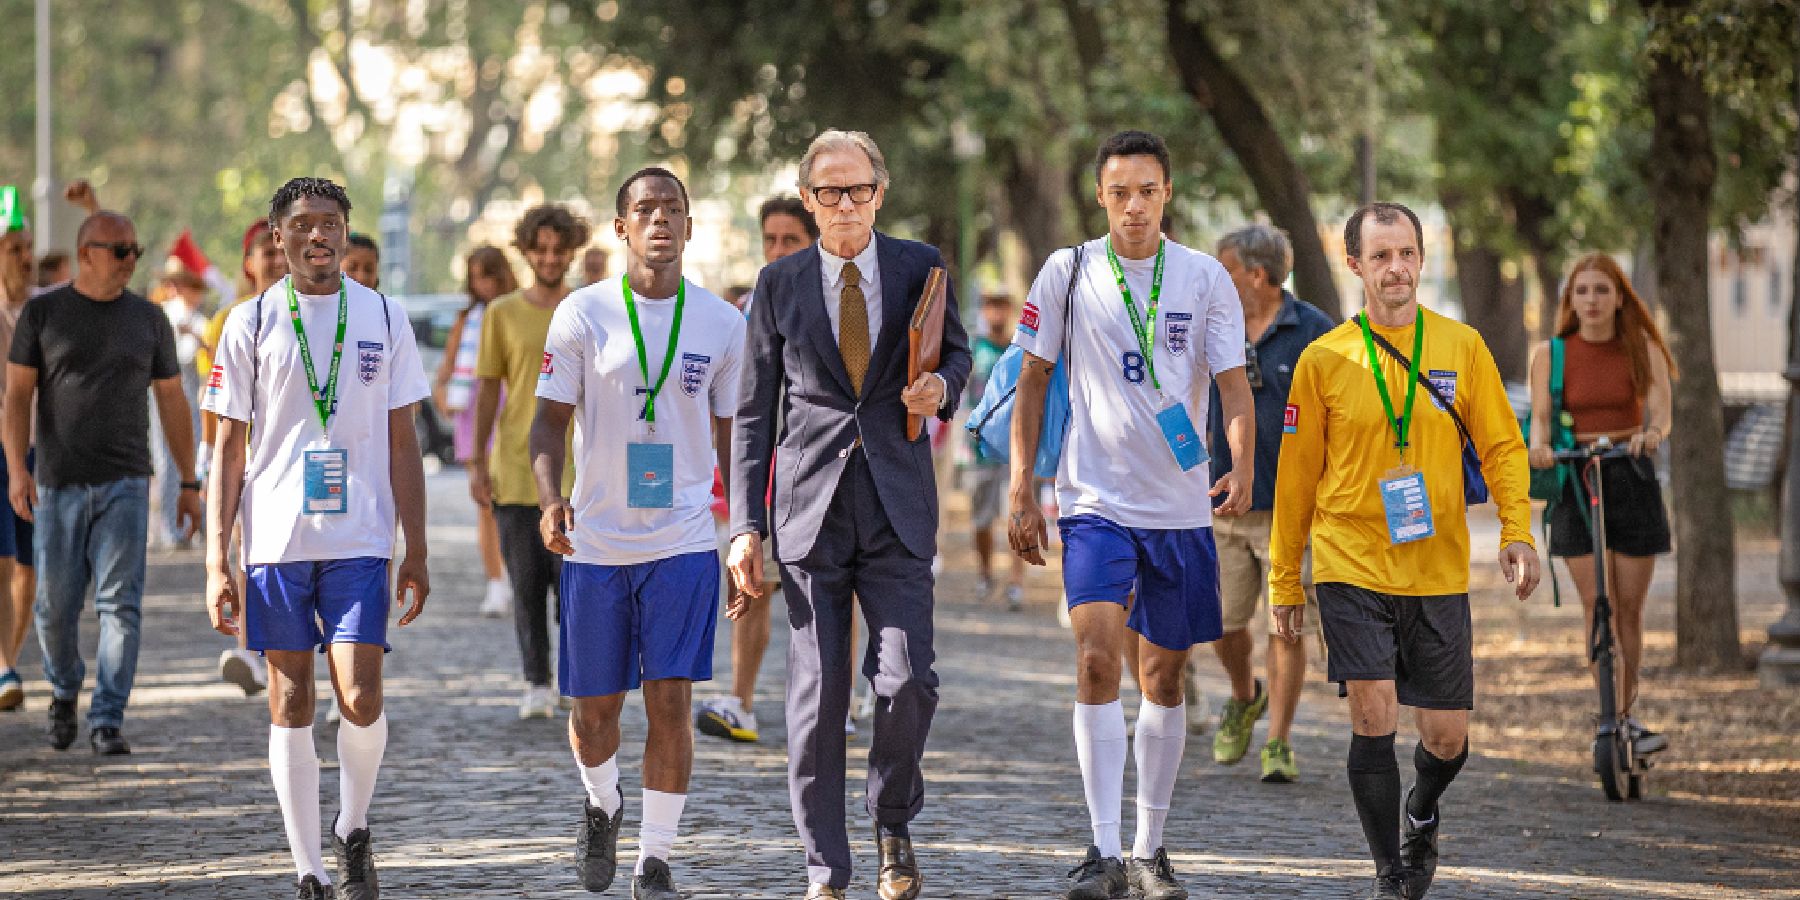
(1338, 446)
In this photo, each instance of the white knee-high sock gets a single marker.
(294, 767)
(602, 783)
(1161, 736)
(662, 818)
(359, 760)
(1100, 744)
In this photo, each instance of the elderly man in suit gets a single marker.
(855, 510)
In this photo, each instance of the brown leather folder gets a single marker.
(925, 337)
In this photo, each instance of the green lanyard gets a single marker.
(1403, 424)
(637, 335)
(325, 401)
(1144, 325)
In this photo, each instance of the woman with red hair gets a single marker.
(1616, 374)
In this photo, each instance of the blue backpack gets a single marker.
(990, 423)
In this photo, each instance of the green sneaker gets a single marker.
(1233, 737)
(1278, 763)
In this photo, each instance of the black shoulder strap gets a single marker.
(256, 345)
(1069, 299)
(387, 319)
(1442, 401)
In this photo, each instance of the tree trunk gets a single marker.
(1245, 125)
(1493, 305)
(1682, 170)
(1035, 194)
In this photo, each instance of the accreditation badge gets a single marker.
(1180, 434)
(327, 481)
(1407, 504)
(650, 476)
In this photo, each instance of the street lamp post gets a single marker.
(41, 189)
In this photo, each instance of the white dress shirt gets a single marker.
(831, 267)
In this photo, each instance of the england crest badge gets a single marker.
(693, 372)
(368, 360)
(1176, 326)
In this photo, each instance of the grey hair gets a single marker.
(835, 139)
(1262, 247)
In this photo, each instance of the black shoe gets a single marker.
(1098, 878)
(107, 741)
(355, 865)
(311, 889)
(1154, 878)
(1388, 887)
(62, 723)
(898, 877)
(597, 846)
(655, 883)
(1418, 851)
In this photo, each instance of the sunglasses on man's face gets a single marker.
(120, 249)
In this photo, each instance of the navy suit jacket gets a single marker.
(808, 438)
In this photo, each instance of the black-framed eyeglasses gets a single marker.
(834, 195)
(1252, 366)
(120, 249)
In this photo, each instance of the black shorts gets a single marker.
(1424, 645)
(1636, 522)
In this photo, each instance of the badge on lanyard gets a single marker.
(650, 467)
(327, 482)
(1178, 430)
(650, 476)
(1407, 504)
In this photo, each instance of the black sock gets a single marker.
(895, 831)
(1375, 786)
(1435, 776)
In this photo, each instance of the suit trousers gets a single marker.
(858, 557)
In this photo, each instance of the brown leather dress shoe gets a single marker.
(899, 878)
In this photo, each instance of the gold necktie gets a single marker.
(853, 327)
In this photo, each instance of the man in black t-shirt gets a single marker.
(88, 353)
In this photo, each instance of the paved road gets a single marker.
(474, 803)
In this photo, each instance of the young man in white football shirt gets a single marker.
(647, 366)
(314, 385)
(1152, 325)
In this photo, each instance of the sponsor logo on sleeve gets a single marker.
(548, 368)
(1028, 320)
(1290, 419)
(215, 382)
(368, 360)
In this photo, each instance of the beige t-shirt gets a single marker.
(512, 350)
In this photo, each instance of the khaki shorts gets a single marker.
(1243, 544)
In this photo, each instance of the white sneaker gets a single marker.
(1199, 709)
(537, 703)
(244, 669)
(726, 718)
(866, 709)
(1015, 598)
(498, 600)
(983, 587)
(332, 714)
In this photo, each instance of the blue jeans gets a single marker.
(92, 534)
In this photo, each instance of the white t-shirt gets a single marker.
(591, 363)
(1115, 462)
(257, 377)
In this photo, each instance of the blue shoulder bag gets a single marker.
(990, 423)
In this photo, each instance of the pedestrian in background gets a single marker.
(487, 276)
(88, 354)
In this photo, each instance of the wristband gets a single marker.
(190, 486)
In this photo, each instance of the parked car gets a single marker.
(431, 317)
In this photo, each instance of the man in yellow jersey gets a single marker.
(1373, 472)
